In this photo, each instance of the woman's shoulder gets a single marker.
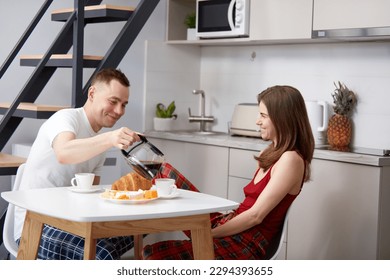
(291, 157)
(291, 166)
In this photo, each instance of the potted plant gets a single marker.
(165, 117)
(190, 22)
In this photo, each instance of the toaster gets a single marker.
(244, 120)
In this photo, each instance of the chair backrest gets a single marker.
(8, 231)
(275, 248)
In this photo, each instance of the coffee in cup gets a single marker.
(83, 180)
(165, 186)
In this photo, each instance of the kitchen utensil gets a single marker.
(165, 186)
(144, 158)
(83, 180)
(318, 112)
(244, 120)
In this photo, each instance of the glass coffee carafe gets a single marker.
(144, 158)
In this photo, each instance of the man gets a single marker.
(69, 142)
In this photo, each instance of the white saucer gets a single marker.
(172, 195)
(82, 190)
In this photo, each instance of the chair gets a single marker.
(275, 248)
(8, 231)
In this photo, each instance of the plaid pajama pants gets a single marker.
(247, 245)
(57, 244)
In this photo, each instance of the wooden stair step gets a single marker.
(32, 110)
(9, 164)
(60, 60)
(96, 13)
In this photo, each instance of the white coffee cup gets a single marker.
(83, 180)
(165, 186)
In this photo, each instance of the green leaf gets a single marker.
(171, 108)
(163, 112)
(160, 110)
(190, 20)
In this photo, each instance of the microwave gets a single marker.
(222, 18)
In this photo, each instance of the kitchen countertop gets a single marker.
(250, 143)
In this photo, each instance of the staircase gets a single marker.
(70, 36)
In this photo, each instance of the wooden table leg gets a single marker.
(138, 246)
(202, 242)
(89, 244)
(30, 239)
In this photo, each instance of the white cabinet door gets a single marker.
(342, 14)
(204, 165)
(242, 163)
(280, 19)
(242, 167)
(336, 214)
(235, 188)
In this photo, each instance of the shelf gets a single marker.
(97, 13)
(31, 110)
(9, 164)
(177, 12)
(60, 60)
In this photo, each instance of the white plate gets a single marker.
(82, 190)
(172, 195)
(127, 201)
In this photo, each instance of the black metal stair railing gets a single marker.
(24, 37)
(41, 75)
(32, 88)
(67, 38)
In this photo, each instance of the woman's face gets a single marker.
(267, 128)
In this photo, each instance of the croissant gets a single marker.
(131, 182)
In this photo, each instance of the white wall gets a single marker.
(14, 19)
(171, 73)
(230, 76)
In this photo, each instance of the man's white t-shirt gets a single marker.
(42, 169)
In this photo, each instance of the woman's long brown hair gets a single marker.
(287, 111)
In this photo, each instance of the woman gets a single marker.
(283, 168)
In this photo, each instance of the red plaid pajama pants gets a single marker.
(249, 244)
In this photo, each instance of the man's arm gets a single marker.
(70, 150)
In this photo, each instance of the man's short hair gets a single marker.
(108, 74)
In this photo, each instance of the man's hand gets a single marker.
(123, 138)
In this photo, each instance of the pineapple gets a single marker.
(340, 125)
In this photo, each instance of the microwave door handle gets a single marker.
(230, 14)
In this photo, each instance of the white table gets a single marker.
(89, 216)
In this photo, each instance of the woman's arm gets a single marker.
(286, 177)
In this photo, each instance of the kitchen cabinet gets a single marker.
(299, 21)
(242, 166)
(270, 20)
(280, 20)
(343, 14)
(343, 213)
